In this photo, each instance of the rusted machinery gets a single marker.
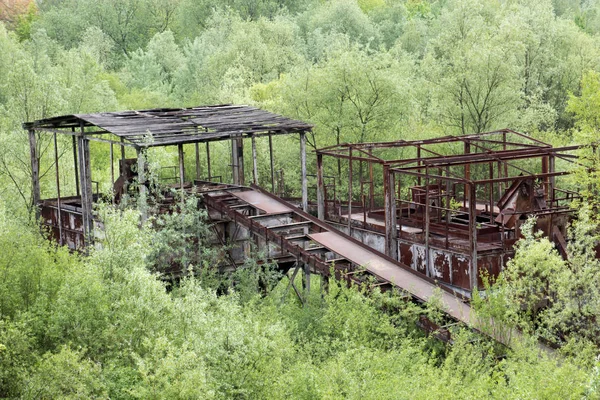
(449, 207)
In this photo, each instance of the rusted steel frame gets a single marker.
(321, 200)
(324, 227)
(440, 140)
(413, 173)
(492, 153)
(85, 183)
(345, 156)
(95, 139)
(369, 153)
(272, 164)
(64, 229)
(237, 161)
(448, 212)
(35, 171)
(254, 162)
(75, 162)
(208, 171)
(122, 144)
(502, 142)
(181, 166)
(527, 137)
(399, 209)
(491, 192)
(399, 165)
(533, 176)
(474, 158)
(350, 191)
(545, 171)
(545, 211)
(256, 228)
(427, 221)
(292, 284)
(419, 163)
(391, 230)
(112, 168)
(409, 202)
(473, 235)
(66, 132)
(141, 166)
(58, 198)
(371, 184)
(197, 151)
(303, 178)
(551, 179)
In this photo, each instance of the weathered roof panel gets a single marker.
(168, 126)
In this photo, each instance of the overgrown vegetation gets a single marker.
(106, 326)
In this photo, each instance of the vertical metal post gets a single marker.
(506, 184)
(208, 161)
(371, 183)
(197, 148)
(491, 186)
(112, 166)
(552, 181)
(391, 229)
(35, 172)
(467, 174)
(545, 171)
(473, 234)
(419, 163)
(123, 152)
(58, 200)
(272, 164)
(75, 162)
(85, 184)
(428, 267)
(181, 166)
(321, 201)
(254, 162)
(448, 208)
(142, 202)
(237, 156)
(350, 191)
(399, 210)
(303, 171)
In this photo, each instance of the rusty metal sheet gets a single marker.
(392, 272)
(262, 202)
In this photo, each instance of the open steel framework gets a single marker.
(70, 218)
(450, 207)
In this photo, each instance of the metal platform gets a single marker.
(321, 246)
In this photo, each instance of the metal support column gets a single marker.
(303, 171)
(35, 172)
(321, 201)
(391, 229)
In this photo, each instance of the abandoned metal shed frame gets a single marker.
(71, 218)
(449, 207)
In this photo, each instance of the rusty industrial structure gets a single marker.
(426, 217)
(451, 207)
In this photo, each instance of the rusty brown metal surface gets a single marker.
(262, 202)
(392, 272)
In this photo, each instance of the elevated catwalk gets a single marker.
(286, 231)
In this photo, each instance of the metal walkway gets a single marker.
(316, 243)
(300, 236)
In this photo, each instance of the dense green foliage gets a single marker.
(105, 325)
